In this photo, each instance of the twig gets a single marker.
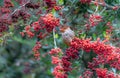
(96, 9)
(55, 45)
(19, 8)
(103, 10)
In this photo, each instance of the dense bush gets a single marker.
(59, 39)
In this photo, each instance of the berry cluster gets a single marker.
(87, 74)
(94, 19)
(46, 22)
(58, 71)
(50, 3)
(20, 14)
(36, 50)
(8, 3)
(3, 28)
(104, 73)
(49, 21)
(36, 26)
(32, 5)
(109, 30)
(85, 1)
(73, 52)
(4, 14)
(109, 27)
(115, 7)
(57, 8)
(106, 54)
(9, 16)
(28, 32)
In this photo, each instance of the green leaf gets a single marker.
(61, 2)
(1, 40)
(53, 11)
(94, 36)
(56, 35)
(83, 35)
(104, 33)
